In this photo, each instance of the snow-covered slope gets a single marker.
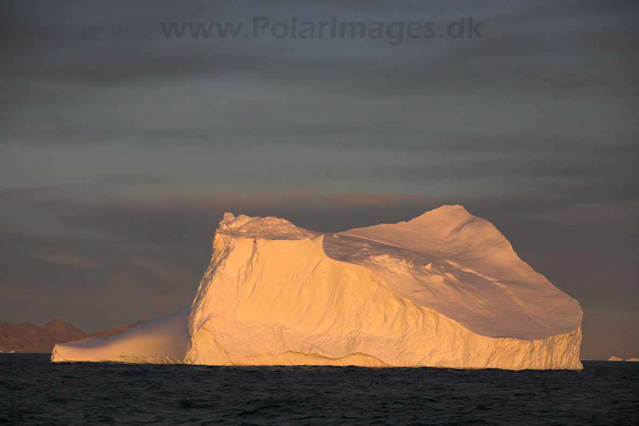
(463, 267)
(161, 341)
(445, 289)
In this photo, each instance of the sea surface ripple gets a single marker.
(34, 391)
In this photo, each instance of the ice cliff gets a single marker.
(445, 289)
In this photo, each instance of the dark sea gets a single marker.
(33, 391)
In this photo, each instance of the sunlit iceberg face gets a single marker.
(445, 289)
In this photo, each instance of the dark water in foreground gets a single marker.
(34, 391)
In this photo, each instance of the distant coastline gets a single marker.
(28, 337)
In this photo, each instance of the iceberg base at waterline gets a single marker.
(445, 289)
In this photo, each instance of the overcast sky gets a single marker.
(121, 148)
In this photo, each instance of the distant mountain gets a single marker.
(29, 337)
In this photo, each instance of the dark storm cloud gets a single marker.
(516, 67)
(95, 275)
(511, 50)
(559, 168)
(524, 52)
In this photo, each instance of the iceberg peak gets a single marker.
(270, 228)
(445, 210)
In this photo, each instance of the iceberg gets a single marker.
(445, 289)
(617, 359)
